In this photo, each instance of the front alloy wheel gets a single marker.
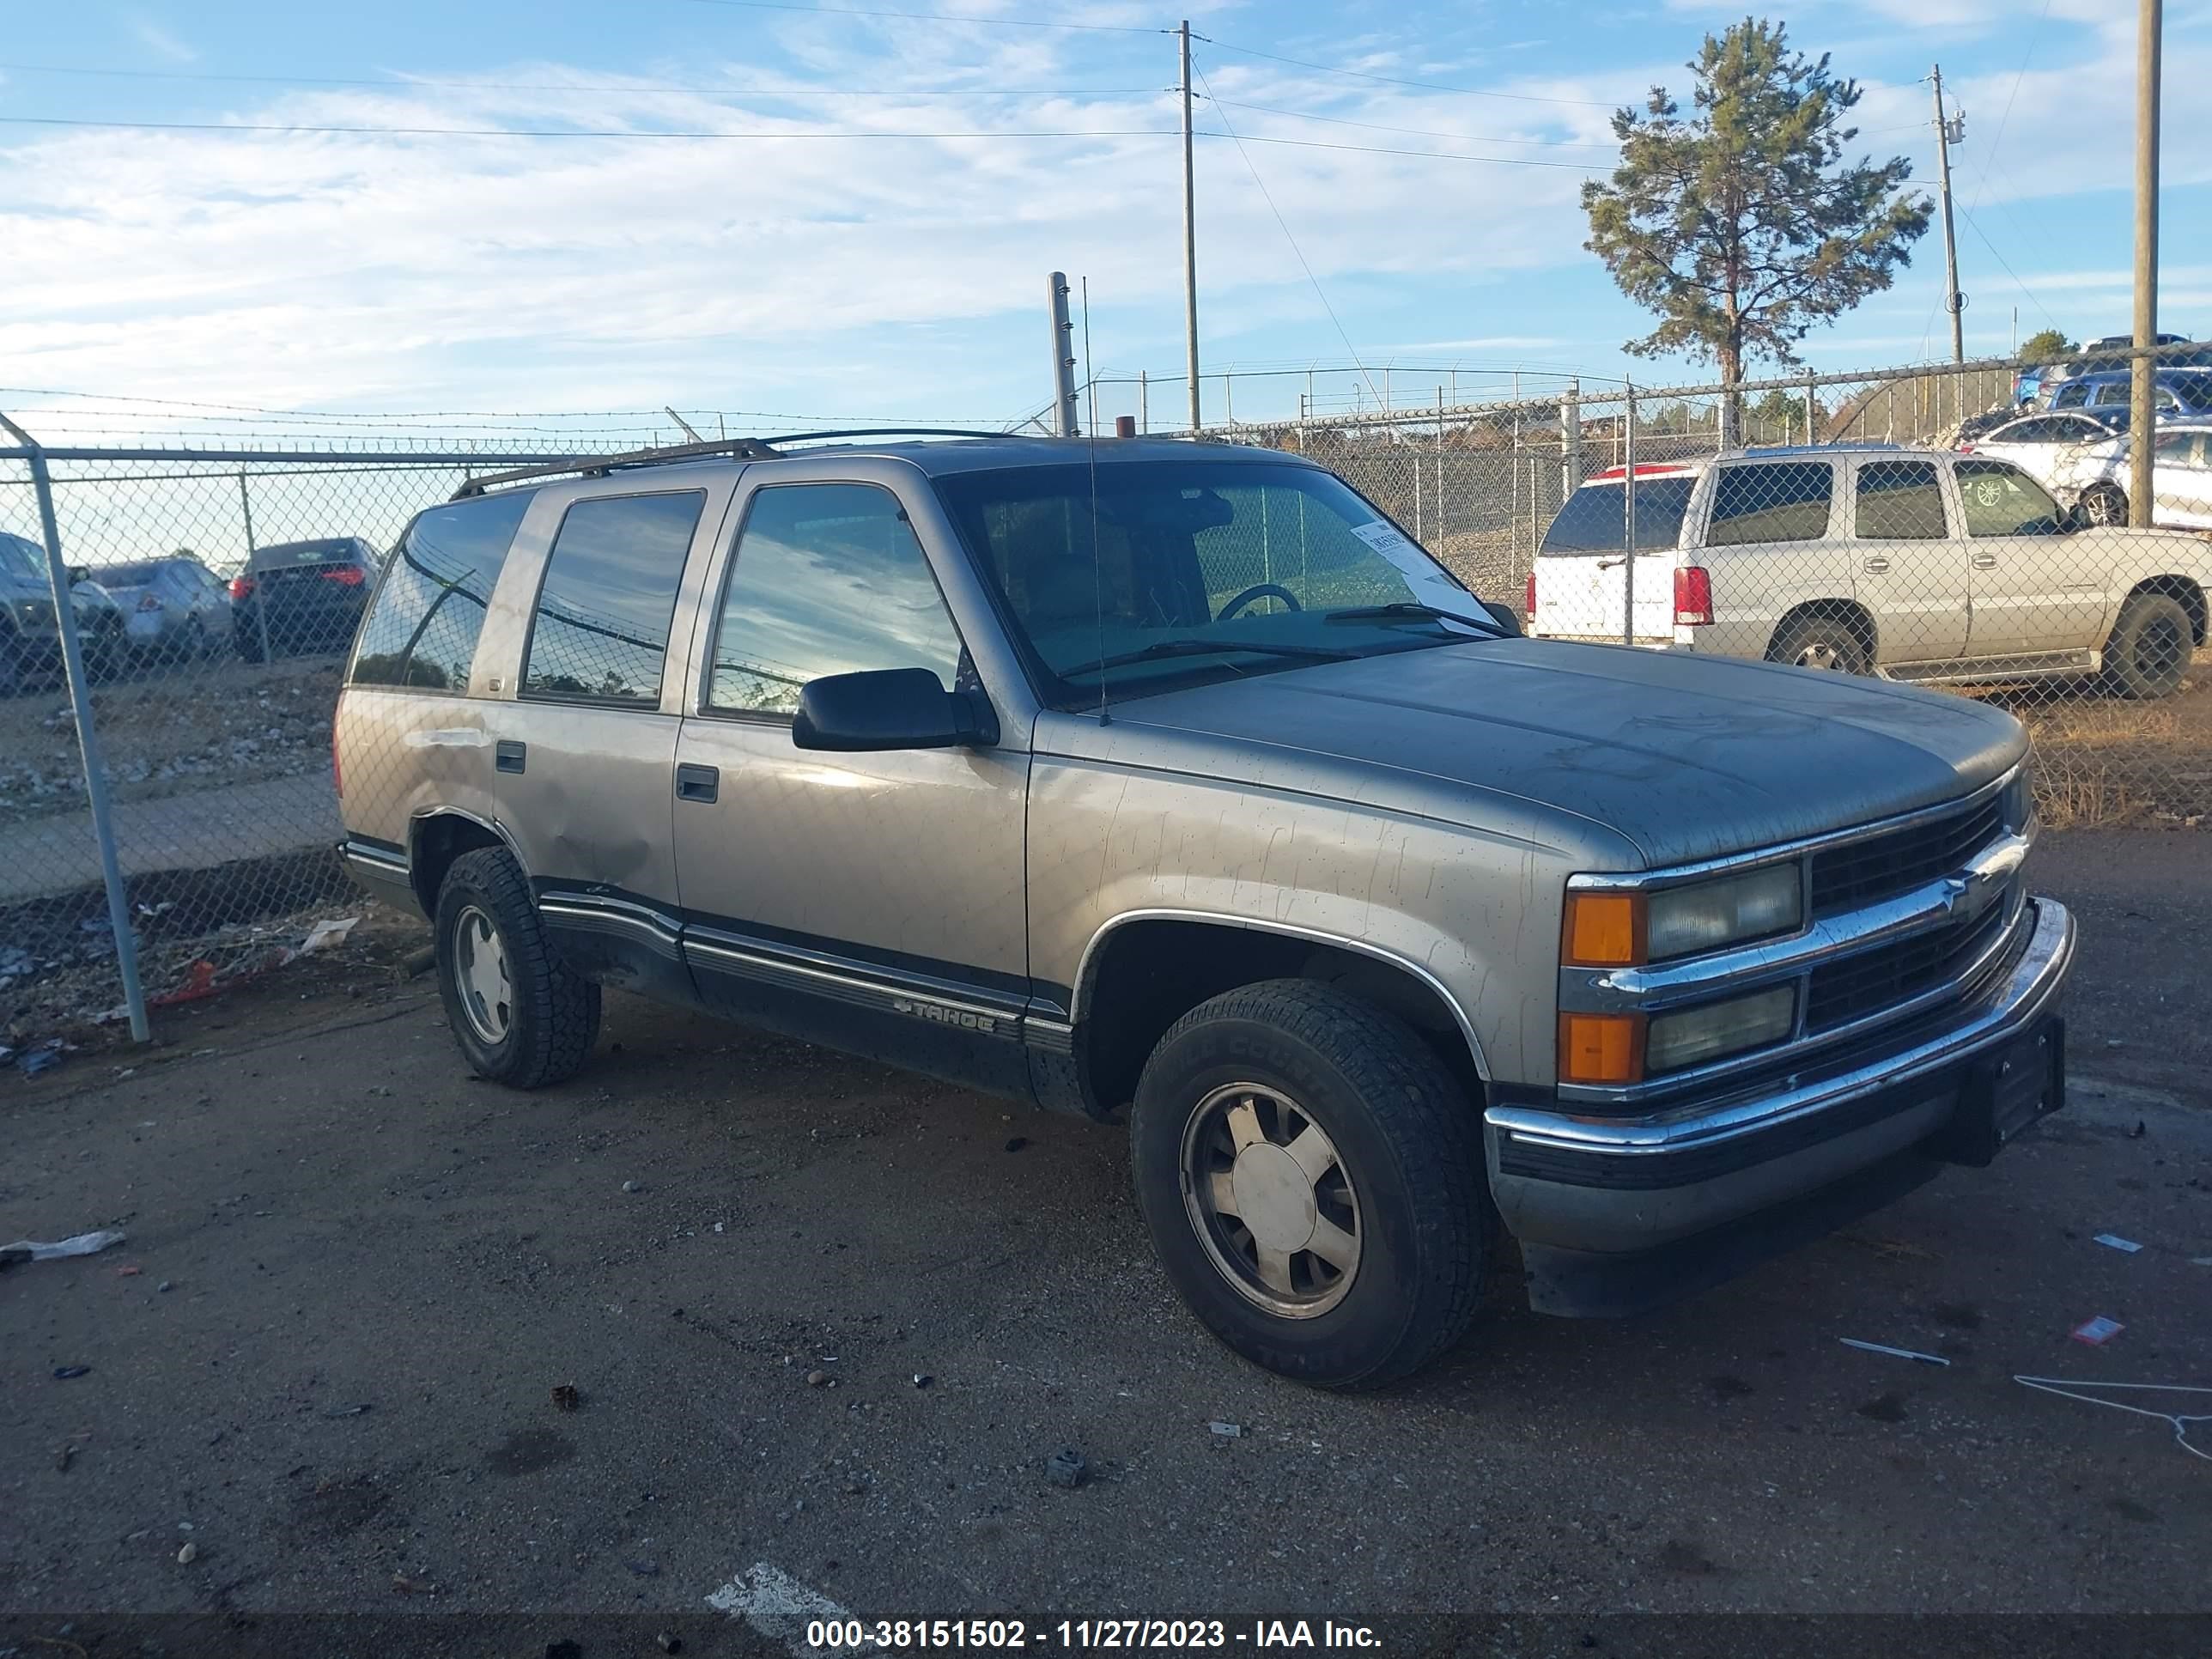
(1271, 1200)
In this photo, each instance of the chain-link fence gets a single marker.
(1925, 524)
(213, 595)
(1911, 523)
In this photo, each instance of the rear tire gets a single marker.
(1822, 642)
(11, 666)
(2151, 647)
(521, 1015)
(2105, 505)
(1313, 1180)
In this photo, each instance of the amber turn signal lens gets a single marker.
(1600, 1047)
(1604, 930)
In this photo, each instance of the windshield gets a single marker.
(1195, 570)
(19, 559)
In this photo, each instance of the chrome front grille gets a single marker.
(1881, 866)
(1889, 974)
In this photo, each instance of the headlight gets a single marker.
(1687, 920)
(1621, 930)
(1697, 1034)
(2020, 799)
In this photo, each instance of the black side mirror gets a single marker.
(890, 708)
(1506, 616)
(79, 572)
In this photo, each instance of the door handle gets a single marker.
(1877, 564)
(698, 783)
(1985, 560)
(508, 756)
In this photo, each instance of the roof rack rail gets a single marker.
(742, 449)
(747, 449)
(898, 432)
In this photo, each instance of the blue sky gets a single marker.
(830, 277)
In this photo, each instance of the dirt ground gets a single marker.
(325, 1358)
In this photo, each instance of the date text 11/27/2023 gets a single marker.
(834, 1635)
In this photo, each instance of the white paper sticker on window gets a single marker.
(1386, 539)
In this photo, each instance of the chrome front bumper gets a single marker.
(1597, 1185)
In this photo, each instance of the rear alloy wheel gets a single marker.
(1312, 1178)
(2150, 648)
(520, 1013)
(2105, 504)
(1827, 643)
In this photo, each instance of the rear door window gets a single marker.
(600, 634)
(1898, 502)
(2072, 395)
(1596, 518)
(422, 627)
(1772, 501)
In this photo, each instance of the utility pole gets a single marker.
(1189, 236)
(2150, 23)
(1948, 132)
(1063, 358)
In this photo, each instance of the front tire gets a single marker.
(2105, 505)
(2150, 648)
(1313, 1180)
(521, 1015)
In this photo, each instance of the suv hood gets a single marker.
(1684, 757)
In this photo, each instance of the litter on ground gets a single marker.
(1913, 1354)
(2113, 1241)
(2067, 1388)
(2097, 1332)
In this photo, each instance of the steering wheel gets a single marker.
(1259, 591)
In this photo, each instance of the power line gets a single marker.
(933, 17)
(576, 132)
(2009, 270)
(365, 130)
(1416, 132)
(1284, 225)
(1396, 81)
(404, 84)
(1381, 149)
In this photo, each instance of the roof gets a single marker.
(935, 455)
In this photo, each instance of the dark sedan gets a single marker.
(298, 598)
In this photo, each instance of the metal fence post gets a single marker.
(1570, 438)
(1143, 403)
(1440, 526)
(88, 737)
(1628, 494)
(261, 602)
(1812, 409)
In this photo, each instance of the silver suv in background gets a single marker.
(1174, 782)
(1911, 564)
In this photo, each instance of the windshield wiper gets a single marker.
(1164, 648)
(1412, 611)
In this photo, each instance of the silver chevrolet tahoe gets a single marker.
(1175, 779)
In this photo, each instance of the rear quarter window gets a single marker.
(1596, 518)
(423, 625)
(1772, 501)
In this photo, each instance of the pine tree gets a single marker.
(1738, 224)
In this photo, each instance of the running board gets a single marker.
(1971, 671)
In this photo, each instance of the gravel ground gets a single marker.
(360, 1276)
(169, 733)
